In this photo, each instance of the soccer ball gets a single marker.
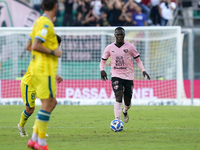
(117, 125)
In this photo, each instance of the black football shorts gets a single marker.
(126, 86)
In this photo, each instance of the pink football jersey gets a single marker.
(121, 60)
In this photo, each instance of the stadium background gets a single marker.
(89, 53)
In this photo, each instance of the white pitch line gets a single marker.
(159, 108)
(142, 128)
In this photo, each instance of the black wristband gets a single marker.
(52, 52)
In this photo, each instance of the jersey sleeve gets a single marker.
(106, 53)
(43, 30)
(31, 35)
(134, 52)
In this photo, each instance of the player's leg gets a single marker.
(118, 90)
(55, 103)
(128, 90)
(28, 96)
(42, 120)
(45, 89)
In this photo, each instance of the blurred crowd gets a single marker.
(115, 12)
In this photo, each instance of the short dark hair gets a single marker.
(119, 28)
(59, 39)
(78, 12)
(48, 4)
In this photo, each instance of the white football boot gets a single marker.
(125, 116)
(22, 131)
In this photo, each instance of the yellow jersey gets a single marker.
(27, 76)
(44, 64)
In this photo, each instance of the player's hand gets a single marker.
(103, 75)
(146, 74)
(59, 79)
(58, 52)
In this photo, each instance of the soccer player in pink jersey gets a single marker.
(122, 73)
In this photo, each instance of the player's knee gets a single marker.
(30, 110)
(127, 103)
(119, 96)
(55, 103)
(127, 100)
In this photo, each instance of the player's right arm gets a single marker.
(105, 56)
(37, 46)
(59, 79)
(140, 64)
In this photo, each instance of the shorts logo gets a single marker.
(125, 50)
(116, 87)
(116, 82)
(33, 96)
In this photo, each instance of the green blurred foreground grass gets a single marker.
(88, 128)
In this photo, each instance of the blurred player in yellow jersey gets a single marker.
(28, 92)
(43, 71)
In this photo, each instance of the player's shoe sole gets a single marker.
(31, 144)
(125, 116)
(39, 147)
(22, 131)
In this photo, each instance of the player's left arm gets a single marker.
(28, 45)
(140, 64)
(136, 56)
(59, 79)
(57, 52)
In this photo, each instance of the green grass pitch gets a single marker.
(88, 128)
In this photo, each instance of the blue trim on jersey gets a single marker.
(38, 37)
(44, 15)
(51, 93)
(26, 114)
(27, 96)
(30, 38)
(46, 26)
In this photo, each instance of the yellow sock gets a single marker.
(34, 136)
(35, 128)
(24, 118)
(42, 129)
(42, 123)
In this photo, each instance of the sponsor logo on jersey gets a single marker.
(44, 32)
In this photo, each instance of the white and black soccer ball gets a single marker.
(117, 125)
